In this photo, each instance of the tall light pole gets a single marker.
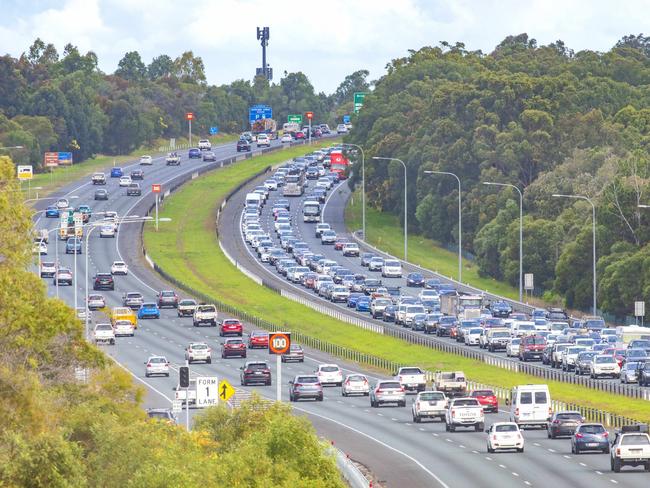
(521, 233)
(405, 203)
(593, 239)
(363, 188)
(460, 222)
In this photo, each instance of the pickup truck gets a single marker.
(411, 378)
(429, 404)
(205, 314)
(173, 159)
(205, 145)
(497, 339)
(103, 334)
(464, 412)
(630, 447)
(452, 383)
(98, 179)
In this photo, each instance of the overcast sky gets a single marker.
(324, 39)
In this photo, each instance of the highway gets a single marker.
(333, 213)
(398, 451)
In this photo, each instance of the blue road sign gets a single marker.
(65, 158)
(346, 119)
(257, 112)
(214, 130)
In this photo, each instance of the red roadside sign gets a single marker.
(51, 159)
(189, 115)
(156, 188)
(309, 115)
(279, 342)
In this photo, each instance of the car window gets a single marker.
(569, 416)
(540, 397)
(410, 371)
(258, 366)
(329, 369)
(526, 398)
(306, 379)
(465, 403)
(604, 359)
(483, 393)
(592, 429)
(506, 428)
(389, 384)
(356, 377)
(634, 440)
(432, 396)
(199, 346)
(235, 341)
(157, 360)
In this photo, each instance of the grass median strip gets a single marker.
(188, 250)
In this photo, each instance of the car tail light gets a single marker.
(516, 411)
(550, 411)
(618, 451)
(365, 382)
(347, 382)
(494, 437)
(579, 435)
(605, 434)
(148, 365)
(556, 421)
(453, 413)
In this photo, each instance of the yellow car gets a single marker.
(124, 313)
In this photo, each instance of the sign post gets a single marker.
(26, 172)
(156, 188)
(639, 311)
(189, 116)
(279, 344)
(310, 115)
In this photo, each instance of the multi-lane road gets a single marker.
(395, 449)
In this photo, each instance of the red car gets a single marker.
(338, 245)
(299, 135)
(258, 338)
(233, 347)
(231, 326)
(618, 353)
(488, 399)
(309, 280)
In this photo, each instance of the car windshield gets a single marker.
(103, 327)
(506, 428)
(157, 360)
(483, 393)
(432, 396)
(329, 369)
(234, 342)
(465, 402)
(635, 440)
(148, 305)
(306, 379)
(389, 384)
(187, 302)
(167, 294)
(568, 416)
(356, 377)
(592, 429)
(258, 366)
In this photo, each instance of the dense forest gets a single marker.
(64, 102)
(56, 431)
(544, 118)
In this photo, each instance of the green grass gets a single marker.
(187, 248)
(50, 182)
(385, 232)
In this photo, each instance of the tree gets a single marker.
(161, 67)
(355, 82)
(189, 68)
(131, 67)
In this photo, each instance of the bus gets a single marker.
(311, 211)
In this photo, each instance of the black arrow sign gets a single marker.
(224, 390)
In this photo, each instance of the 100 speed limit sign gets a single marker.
(279, 342)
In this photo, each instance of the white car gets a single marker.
(205, 145)
(107, 230)
(504, 435)
(391, 268)
(271, 185)
(125, 181)
(355, 384)
(119, 267)
(103, 334)
(512, 348)
(95, 302)
(62, 203)
(472, 336)
(329, 374)
(604, 365)
(286, 138)
(263, 140)
(156, 365)
(146, 160)
(341, 129)
(198, 351)
(48, 269)
(39, 248)
(124, 328)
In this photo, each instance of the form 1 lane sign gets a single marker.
(279, 342)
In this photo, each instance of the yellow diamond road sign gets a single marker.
(225, 390)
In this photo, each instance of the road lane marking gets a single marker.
(515, 474)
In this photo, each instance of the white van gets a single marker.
(530, 405)
(253, 199)
(391, 268)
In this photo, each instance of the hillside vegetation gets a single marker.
(58, 432)
(544, 118)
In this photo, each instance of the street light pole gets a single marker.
(405, 203)
(363, 188)
(593, 239)
(521, 233)
(460, 222)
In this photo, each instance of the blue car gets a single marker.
(194, 153)
(352, 299)
(116, 172)
(363, 304)
(149, 310)
(52, 212)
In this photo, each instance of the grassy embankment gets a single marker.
(188, 249)
(50, 182)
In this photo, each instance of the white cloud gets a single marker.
(326, 40)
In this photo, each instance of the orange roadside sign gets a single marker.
(279, 342)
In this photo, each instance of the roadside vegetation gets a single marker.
(189, 251)
(57, 432)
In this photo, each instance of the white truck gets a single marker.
(104, 334)
(464, 307)
(173, 159)
(205, 145)
(452, 383)
(464, 412)
(411, 378)
(205, 314)
(630, 447)
(429, 405)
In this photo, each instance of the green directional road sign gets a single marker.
(358, 101)
(297, 118)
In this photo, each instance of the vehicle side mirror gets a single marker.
(487, 431)
(241, 367)
(507, 401)
(290, 382)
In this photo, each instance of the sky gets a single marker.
(326, 40)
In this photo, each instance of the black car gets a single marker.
(445, 325)
(101, 194)
(371, 285)
(209, 156)
(590, 437)
(563, 424)
(255, 372)
(556, 314)
(414, 279)
(432, 284)
(389, 314)
(501, 309)
(643, 373)
(243, 145)
(103, 281)
(194, 153)
(137, 174)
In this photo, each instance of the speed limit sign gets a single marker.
(279, 342)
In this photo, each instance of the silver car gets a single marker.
(95, 302)
(156, 365)
(198, 351)
(389, 391)
(355, 384)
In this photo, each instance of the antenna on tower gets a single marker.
(266, 71)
